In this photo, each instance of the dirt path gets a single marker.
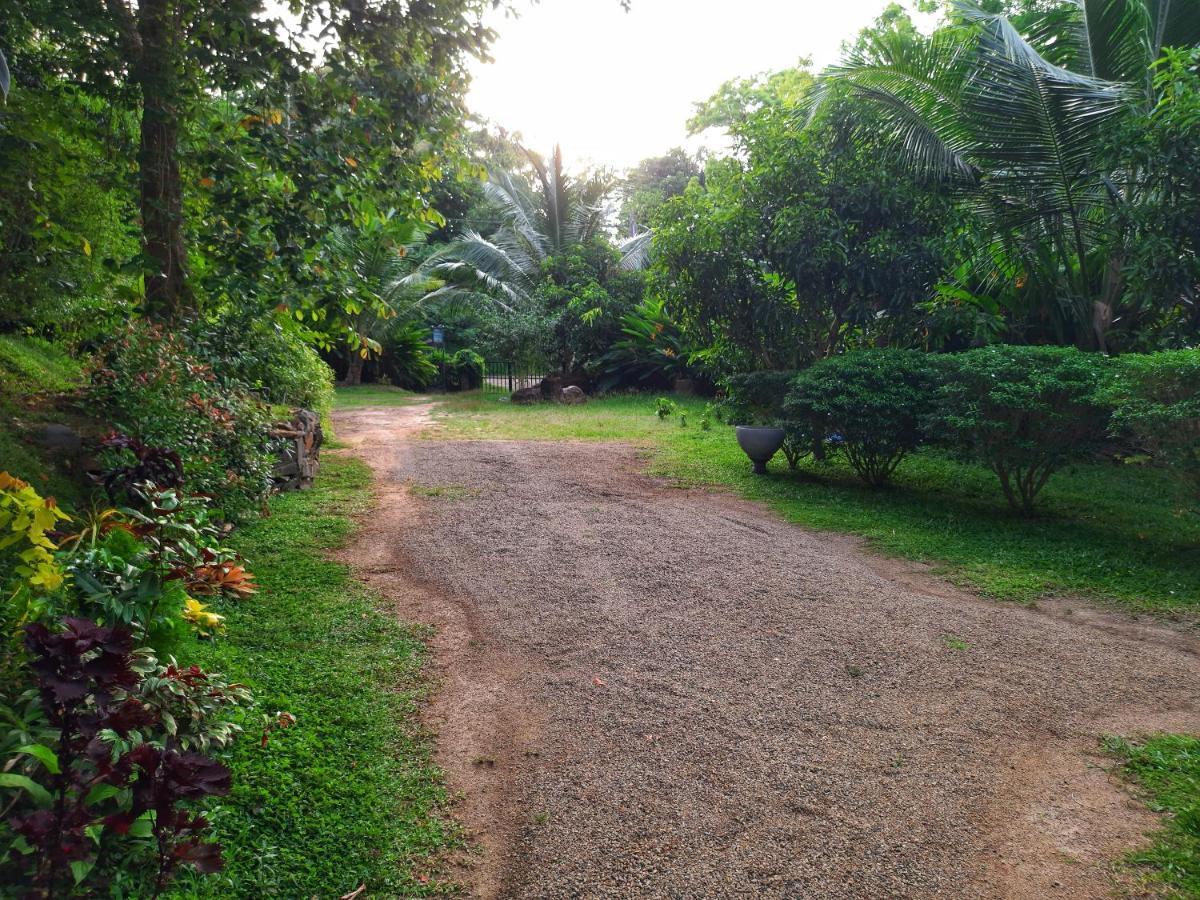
(657, 692)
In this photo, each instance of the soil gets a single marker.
(660, 692)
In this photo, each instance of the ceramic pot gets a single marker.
(760, 444)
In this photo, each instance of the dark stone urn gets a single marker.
(760, 444)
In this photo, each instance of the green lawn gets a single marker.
(1166, 768)
(1110, 532)
(349, 795)
(373, 395)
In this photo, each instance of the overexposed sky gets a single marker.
(615, 87)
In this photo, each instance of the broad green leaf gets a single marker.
(12, 780)
(100, 793)
(143, 826)
(44, 755)
(81, 868)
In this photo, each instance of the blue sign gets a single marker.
(439, 336)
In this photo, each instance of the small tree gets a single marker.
(1024, 411)
(872, 402)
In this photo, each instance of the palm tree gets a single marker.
(540, 222)
(1023, 133)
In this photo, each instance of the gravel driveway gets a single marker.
(650, 691)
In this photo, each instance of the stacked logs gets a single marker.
(301, 440)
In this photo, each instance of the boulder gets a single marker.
(573, 394)
(527, 395)
(551, 387)
(577, 379)
(60, 440)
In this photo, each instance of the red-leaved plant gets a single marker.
(113, 772)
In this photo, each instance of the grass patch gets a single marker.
(350, 794)
(358, 395)
(34, 374)
(1167, 769)
(1114, 533)
(30, 365)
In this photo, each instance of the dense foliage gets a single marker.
(107, 748)
(1156, 402)
(154, 388)
(983, 240)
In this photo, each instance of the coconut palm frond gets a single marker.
(469, 296)
(918, 87)
(539, 223)
(635, 250)
(520, 208)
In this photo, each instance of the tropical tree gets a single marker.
(1018, 115)
(371, 282)
(540, 221)
(807, 243)
(396, 71)
(652, 182)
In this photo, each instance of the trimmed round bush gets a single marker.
(871, 403)
(1155, 399)
(1022, 411)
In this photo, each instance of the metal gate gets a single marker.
(506, 377)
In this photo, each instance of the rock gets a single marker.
(551, 387)
(60, 440)
(573, 394)
(578, 379)
(527, 395)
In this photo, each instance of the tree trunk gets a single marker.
(354, 368)
(167, 293)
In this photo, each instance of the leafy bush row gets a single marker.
(152, 385)
(1022, 411)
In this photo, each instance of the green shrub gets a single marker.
(653, 353)
(1023, 411)
(759, 398)
(871, 403)
(272, 361)
(462, 370)
(1155, 400)
(151, 387)
(756, 398)
(406, 360)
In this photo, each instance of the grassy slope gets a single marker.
(1167, 769)
(349, 795)
(33, 374)
(1111, 532)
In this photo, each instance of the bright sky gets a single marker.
(615, 87)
